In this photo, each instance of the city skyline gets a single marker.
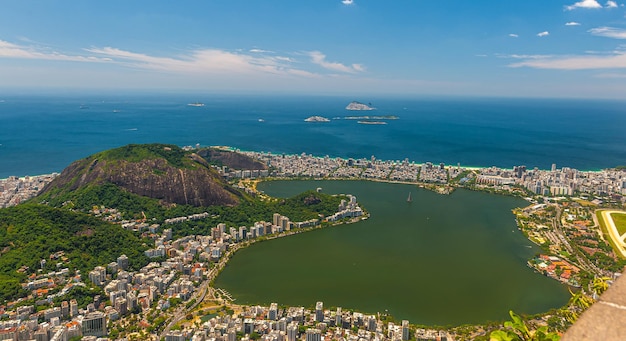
(529, 49)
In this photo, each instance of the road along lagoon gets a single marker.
(438, 260)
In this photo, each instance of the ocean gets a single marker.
(44, 134)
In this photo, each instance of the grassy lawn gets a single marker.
(620, 222)
(585, 203)
(605, 232)
(208, 317)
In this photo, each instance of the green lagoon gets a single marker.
(439, 260)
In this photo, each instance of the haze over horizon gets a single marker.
(530, 49)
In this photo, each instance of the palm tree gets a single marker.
(581, 300)
(516, 330)
(600, 284)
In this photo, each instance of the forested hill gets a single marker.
(32, 232)
(158, 171)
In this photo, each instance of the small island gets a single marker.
(371, 122)
(316, 119)
(359, 106)
(384, 117)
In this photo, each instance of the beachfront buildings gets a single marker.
(554, 182)
(14, 190)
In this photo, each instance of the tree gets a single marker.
(517, 330)
(600, 284)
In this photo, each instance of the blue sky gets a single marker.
(534, 48)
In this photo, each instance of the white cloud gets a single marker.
(358, 67)
(543, 34)
(598, 52)
(260, 51)
(523, 56)
(10, 50)
(584, 4)
(320, 59)
(513, 35)
(200, 61)
(572, 23)
(284, 59)
(609, 32)
(611, 4)
(347, 2)
(613, 61)
(611, 75)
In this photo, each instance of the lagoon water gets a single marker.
(439, 260)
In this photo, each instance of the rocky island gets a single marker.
(358, 106)
(316, 119)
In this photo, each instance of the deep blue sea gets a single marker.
(44, 134)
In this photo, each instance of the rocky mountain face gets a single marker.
(194, 183)
(231, 159)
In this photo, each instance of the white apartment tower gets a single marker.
(405, 330)
(272, 314)
(338, 318)
(319, 311)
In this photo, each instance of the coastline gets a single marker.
(244, 151)
(472, 167)
(253, 183)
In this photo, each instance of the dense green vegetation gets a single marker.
(82, 295)
(61, 219)
(112, 196)
(305, 206)
(174, 155)
(32, 232)
(518, 330)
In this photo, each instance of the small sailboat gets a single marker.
(409, 198)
